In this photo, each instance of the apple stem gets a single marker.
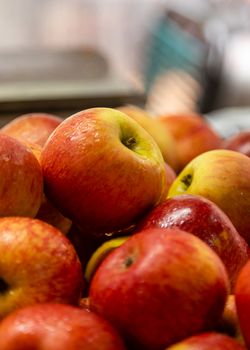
(3, 286)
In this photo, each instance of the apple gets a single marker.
(223, 176)
(32, 127)
(229, 322)
(57, 327)
(242, 300)
(21, 184)
(239, 142)
(159, 287)
(152, 125)
(208, 341)
(203, 218)
(37, 264)
(102, 170)
(47, 211)
(192, 134)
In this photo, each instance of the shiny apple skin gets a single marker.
(94, 178)
(37, 264)
(208, 341)
(150, 286)
(57, 327)
(203, 218)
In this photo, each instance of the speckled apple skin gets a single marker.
(21, 180)
(38, 263)
(57, 327)
(94, 179)
(242, 300)
(208, 341)
(158, 288)
(32, 127)
(203, 218)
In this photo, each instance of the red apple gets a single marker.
(208, 341)
(192, 134)
(158, 288)
(203, 218)
(242, 300)
(239, 142)
(57, 327)
(21, 184)
(37, 264)
(102, 170)
(32, 127)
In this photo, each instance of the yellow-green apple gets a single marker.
(37, 264)
(192, 134)
(239, 142)
(208, 341)
(152, 125)
(21, 184)
(158, 288)
(223, 176)
(101, 253)
(32, 127)
(203, 218)
(242, 300)
(102, 170)
(57, 327)
(229, 322)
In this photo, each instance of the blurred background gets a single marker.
(167, 56)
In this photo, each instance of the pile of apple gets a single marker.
(122, 231)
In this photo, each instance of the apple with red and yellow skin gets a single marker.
(242, 300)
(37, 264)
(32, 127)
(192, 134)
(57, 327)
(102, 170)
(203, 218)
(21, 185)
(222, 176)
(152, 125)
(160, 287)
(239, 142)
(208, 341)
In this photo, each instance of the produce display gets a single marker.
(123, 231)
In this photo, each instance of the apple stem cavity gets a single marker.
(4, 287)
(187, 180)
(129, 261)
(129, 142)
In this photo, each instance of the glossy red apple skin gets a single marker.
(203, 218)
(239, 142)
(208, 341)
(242, 300)
(150, 286)
(21, 184)
(57, 327)
(94, 178)
(32, 127)
(37, 264)
(192, 136)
